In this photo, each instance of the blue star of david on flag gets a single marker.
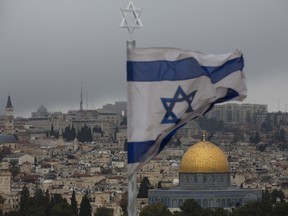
(169, 103)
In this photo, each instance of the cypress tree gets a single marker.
(39, 198)
(73, 133)
(24, 201)
(74, 204)
(47, 202)
(85, 207)
(143, 189)
(52, 130)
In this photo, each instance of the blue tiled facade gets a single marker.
(210, 190)
(225, 198)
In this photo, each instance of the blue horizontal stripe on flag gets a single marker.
(231, 93)
(169, 137)
(179, 70)
(137, 150)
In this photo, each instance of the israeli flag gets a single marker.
(168, 87)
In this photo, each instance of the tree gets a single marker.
(39, 198)
(143, 189)
(254, 208)
(14, 168)
(267, 126)
(13, 213)
(85, 135)
(56, 198)
(125, 145)
(266, 196)
(24, 202)
(4, 152)
(59, 206)
(277, 194)
(74, 204)
(123, 121)
(157, 209)
(69, 133)
(261, 148)
(220, 212)
(279, 136)
(97, 129)
(52, 132)
(190, 207)
(103, 211)
(2, 200)
(282, 135)
(47, 202)
(85, 207)
(61, 209)
(280, 209)
(255, 138)
(115, 132)
(124, 202)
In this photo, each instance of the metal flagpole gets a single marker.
(131, 21)
(132, 179)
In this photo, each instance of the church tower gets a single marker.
(9, 117)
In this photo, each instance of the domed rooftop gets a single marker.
(204, 157)
(42, 109)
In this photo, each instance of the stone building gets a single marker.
(238, 113)
(5, 179)
(9, 117)
(20, 158)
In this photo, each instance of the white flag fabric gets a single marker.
(168, 87)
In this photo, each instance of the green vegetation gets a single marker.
(255, 138)
(44, 204)
(155, 210)
(4, 151)
(14, 168)
(102, 211)
(143, 189)
(69, 133)
(85, 207)
(74, 204)
(124, 203)
(85, 134)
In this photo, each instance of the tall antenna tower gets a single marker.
(81, 98)
(86, 96)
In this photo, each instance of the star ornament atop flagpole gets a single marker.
(134, 21)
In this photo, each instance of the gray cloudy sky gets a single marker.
(48, 46)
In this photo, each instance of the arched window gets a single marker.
(174, 203)
(223, 203)
(180, 202)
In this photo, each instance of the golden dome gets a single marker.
(204, 157)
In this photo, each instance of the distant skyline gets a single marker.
(48, 47)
